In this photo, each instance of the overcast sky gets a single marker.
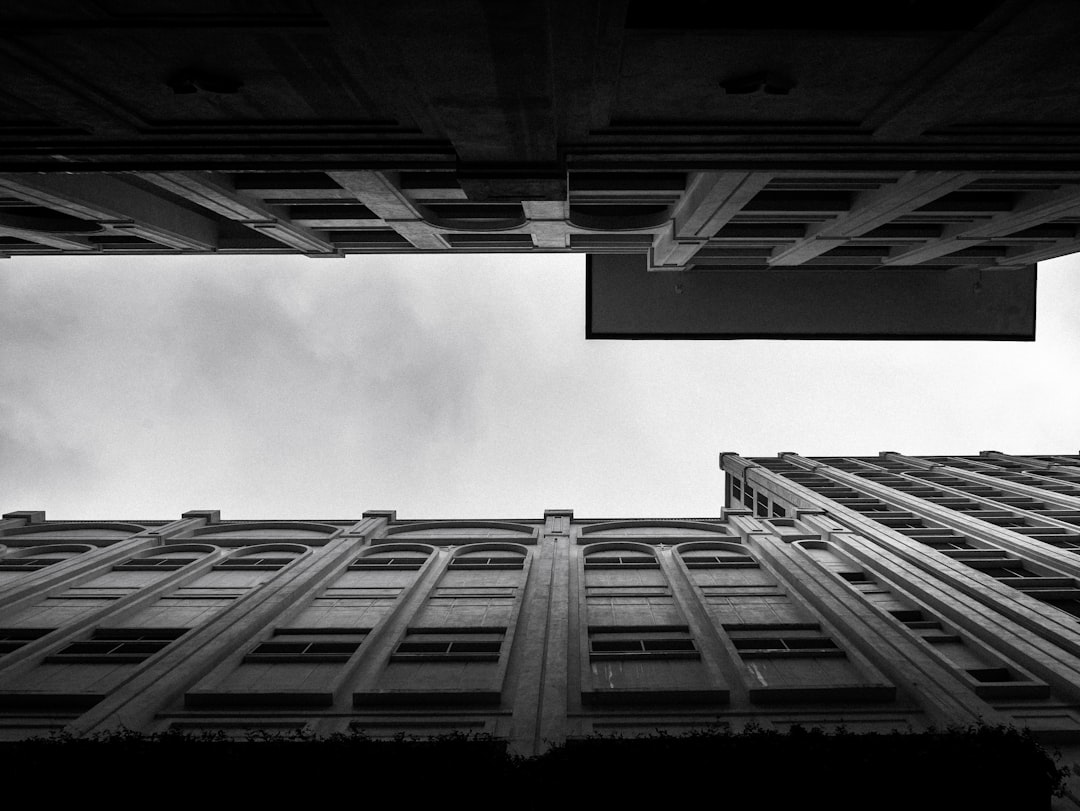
(454, 387)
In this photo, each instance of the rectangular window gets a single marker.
(118, 646)
(659, 664)
(736, 490)
(698, 560)
(25, 564)
(256, 564)
(762, 505)
(1004, 571)
(629, 560)
(11, 639)
(361, 564)
(627, 643)
(493, 562)
(784, 646)
(856, 577)
(308, 646)
(800, 663)
(143, 564)
(457, 645)
(779, 511)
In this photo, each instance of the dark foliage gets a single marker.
(982, 766)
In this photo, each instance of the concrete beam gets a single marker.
(1034, 209)
(548, 223)
(63, 242)
(111, 201)
(870, 210)
(1040, 253)
(216, 193)
(379, 192)
(918, 103)
(710, 201)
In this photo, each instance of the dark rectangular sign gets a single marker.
(624, 300)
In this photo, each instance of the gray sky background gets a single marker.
(454, 386)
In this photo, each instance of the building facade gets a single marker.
(873, 594)
(937, 147)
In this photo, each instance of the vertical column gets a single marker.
(539, 714)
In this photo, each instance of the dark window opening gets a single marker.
(255, 563)
(856, 577)
(494, 562)
(626, 643)
(141, 564)
(785, 646)
(118, 646)
(730, 561)
(456, 645)
(303, 651)
(990, 674)
(625, 561)
(387, 563)
(12, 639)
(26, 564)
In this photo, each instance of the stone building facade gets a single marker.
(936, 146)
(697, 137)
(874, 594)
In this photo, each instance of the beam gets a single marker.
(113, 202)
(379, 192)
(916, 104)
(1041, 253)
(710, 201)
(63, 242)
(870, 210)
(216, 193)
(547, 222)
(1034, 209)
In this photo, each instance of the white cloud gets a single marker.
(453, 387)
